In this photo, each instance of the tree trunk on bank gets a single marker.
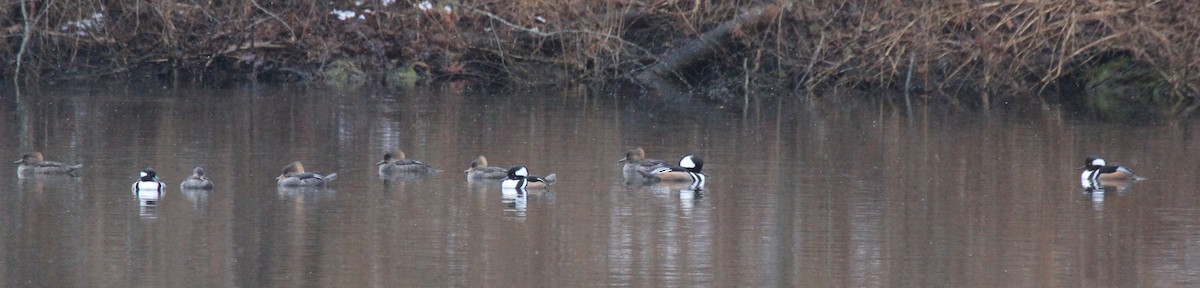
(659, 77)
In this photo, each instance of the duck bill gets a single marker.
(469, 170)
(381, 162)
(18, 161)
(623, 160)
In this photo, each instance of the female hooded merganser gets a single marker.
(635, 162)
(32, 163)
(394, 163)
(196, 181)
(1096, 169)
(519, 178)
(480, 170)
(148, 181)
(689, 170)
(293, 175)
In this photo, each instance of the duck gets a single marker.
(196, 181)
(519, 178)
(635, 162)
(33, 163)
(395, 163)
(293, 176)
(689, 170)
(148, 181)
(480, 170)
(1096, 169)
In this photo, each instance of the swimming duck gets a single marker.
(1096, 169)
(33, 163)
(480, 170)
(148, 181)
(635, 161)
(689, 170)
(519, 178)
(394, 163)
(294, 175)
(196, 181)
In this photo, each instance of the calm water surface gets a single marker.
(806, 193)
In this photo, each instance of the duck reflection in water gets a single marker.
(516, 204)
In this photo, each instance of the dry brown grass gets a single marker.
(1017, 47)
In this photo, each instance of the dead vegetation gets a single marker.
(993, 49)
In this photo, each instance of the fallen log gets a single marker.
(659, 76)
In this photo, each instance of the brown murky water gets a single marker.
(805, 194)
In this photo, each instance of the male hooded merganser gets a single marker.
(294, 175)
(635, 162)
(1096, 169)
(33, 163)
(395, 163)
(148, 181)
(689, 170)
(519, 178)
(480, 170)
(196, 181)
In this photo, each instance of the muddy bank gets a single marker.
(993, 50)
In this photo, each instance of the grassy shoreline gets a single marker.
(992, 49)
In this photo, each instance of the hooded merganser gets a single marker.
(148, 181)
(1096, 169)
(196, 181)
(519, 178)
(635, 162)
(395, 163)
(33, 163)
(480, 170)
(294, 175)
(689, 170)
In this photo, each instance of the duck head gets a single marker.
(30, 158)
(692, 162)
(633, 155)
(149, 175)
(517, 172)
(477, 163)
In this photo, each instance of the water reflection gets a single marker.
(826, 192)
(147, 200)
(1097, 190)
(198, 198)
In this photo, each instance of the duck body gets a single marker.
(689, 170)
(480, 171)
(396, 164)
(148, 181)
(519, 178)
(636, 162)
(1095, 169)
(32, 163)
(197, 181)
(294, 176)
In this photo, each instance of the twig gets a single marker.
(285, 24)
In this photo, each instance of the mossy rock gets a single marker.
(404, 76)
(1124, 89)
(344, 73)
